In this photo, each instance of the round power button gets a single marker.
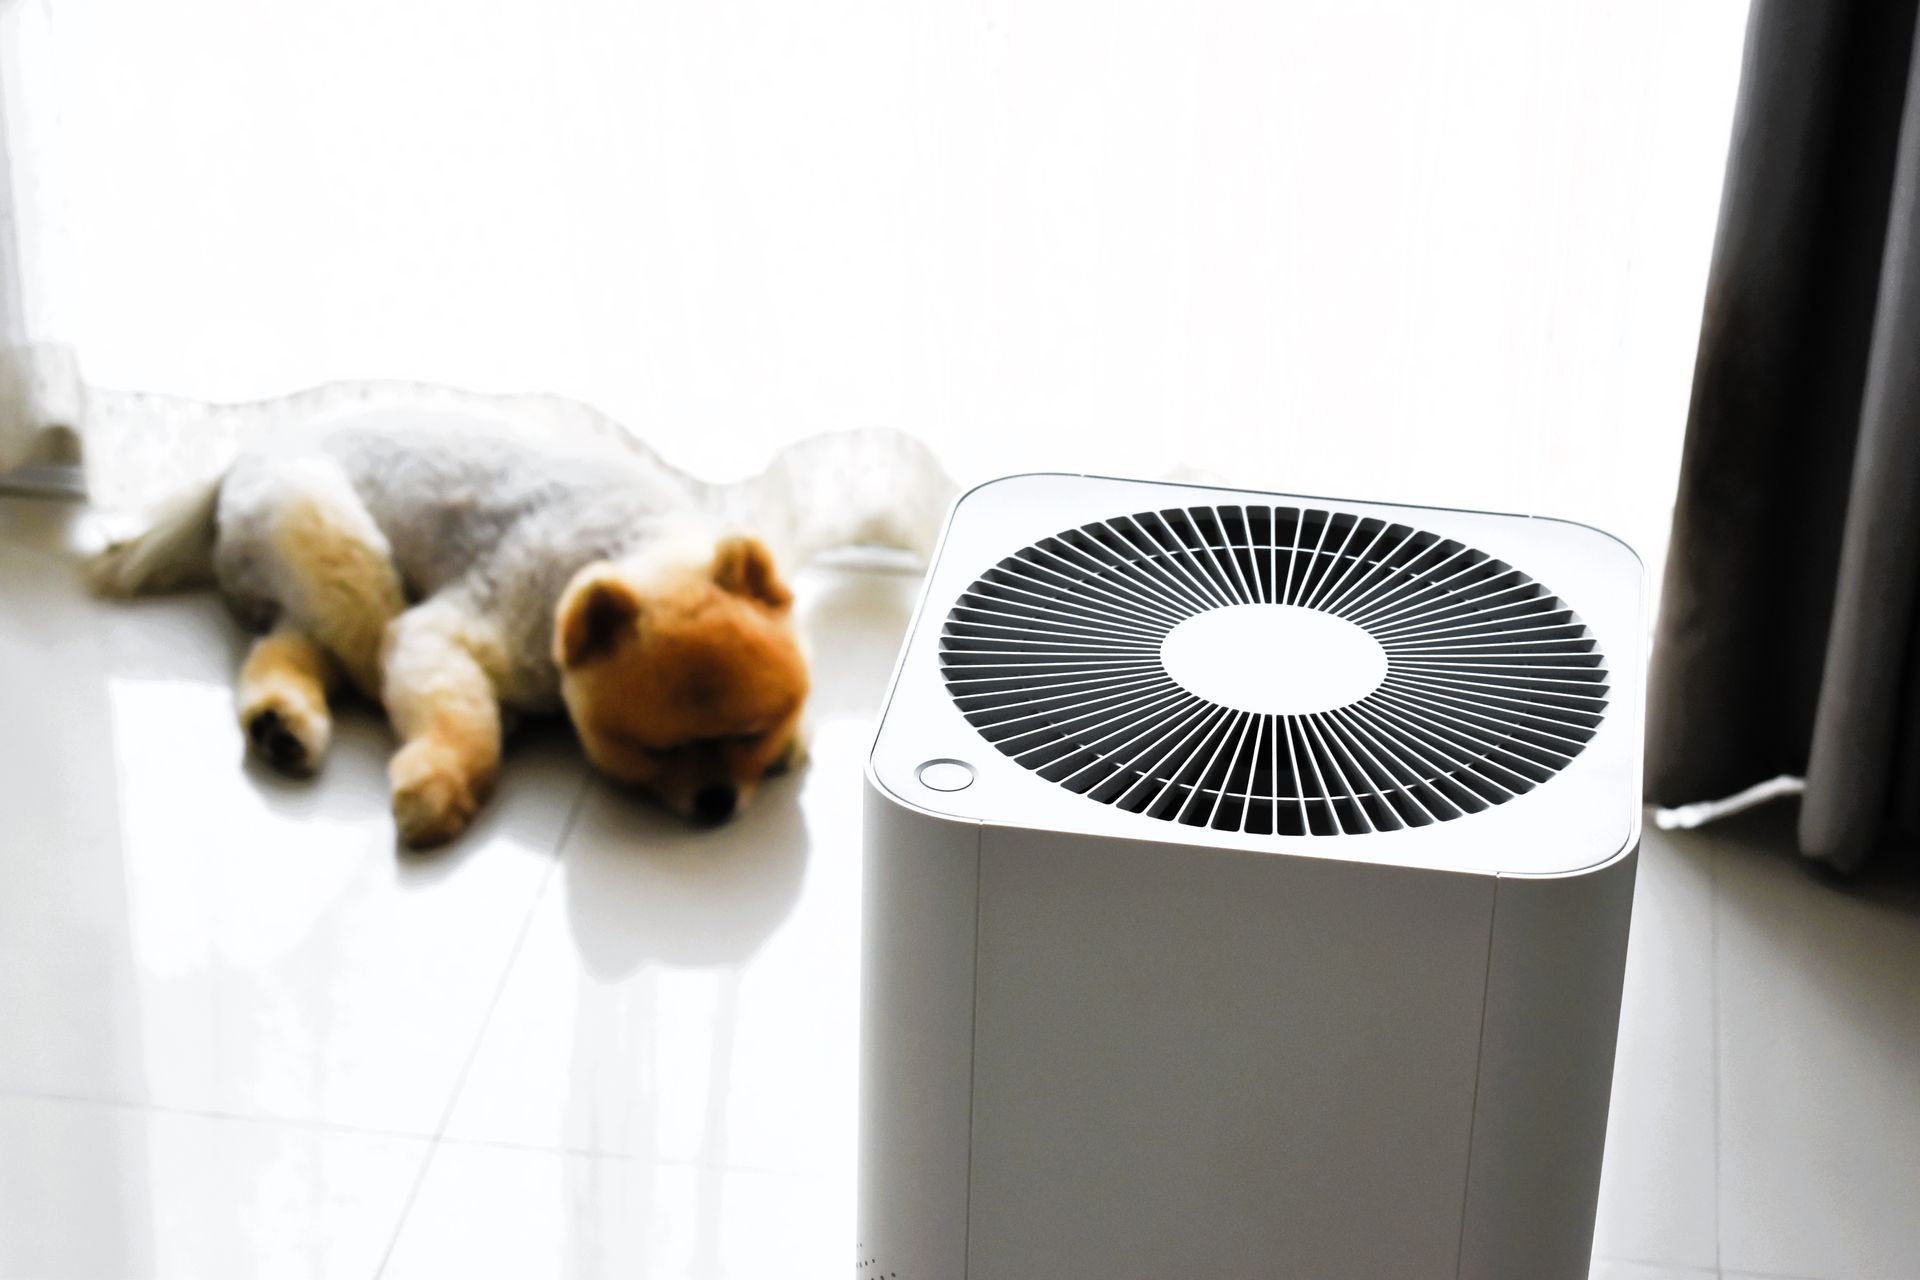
(946, 775)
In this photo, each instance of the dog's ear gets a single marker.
(597, 612)
(745, 567)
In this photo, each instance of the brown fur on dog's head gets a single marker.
(687, 682)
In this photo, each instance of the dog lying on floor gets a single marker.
(448, 570)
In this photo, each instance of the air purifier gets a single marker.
(1246, 893)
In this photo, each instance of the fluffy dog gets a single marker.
(448, 570)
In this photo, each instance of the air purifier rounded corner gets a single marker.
(1014, 483)
(903, 789)
(1616, 545)
(1626, 853)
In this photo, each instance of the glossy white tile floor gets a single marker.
(241, 1036)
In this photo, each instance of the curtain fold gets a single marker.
(41, 405)
(1786, 635)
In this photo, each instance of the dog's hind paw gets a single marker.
(290, 738)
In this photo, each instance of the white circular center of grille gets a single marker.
(1274, 659)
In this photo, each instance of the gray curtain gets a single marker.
(1787, 640)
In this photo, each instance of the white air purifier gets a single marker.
(1247, 890)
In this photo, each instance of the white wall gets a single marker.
(1433, 250)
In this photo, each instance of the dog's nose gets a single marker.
(715, 804)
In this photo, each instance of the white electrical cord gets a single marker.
(1687, 816)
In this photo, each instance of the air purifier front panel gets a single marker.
(1247, 888)
(1187, 1037)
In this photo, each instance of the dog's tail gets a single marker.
(866, 488)
(174, 552)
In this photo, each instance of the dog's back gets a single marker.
(453, 503)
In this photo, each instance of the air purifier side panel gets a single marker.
(1546, 1072)
(916, 1040)
(1204, 1062)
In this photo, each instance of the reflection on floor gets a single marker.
(244, 1037)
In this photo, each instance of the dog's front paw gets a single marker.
(433, 797)
(791, 756)
(288, 732)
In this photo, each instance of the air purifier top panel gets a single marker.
(1406, 685)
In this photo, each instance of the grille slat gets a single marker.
(1492, 684)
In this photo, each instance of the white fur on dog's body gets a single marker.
(485, 527)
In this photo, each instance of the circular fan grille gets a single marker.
(1490, 685)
